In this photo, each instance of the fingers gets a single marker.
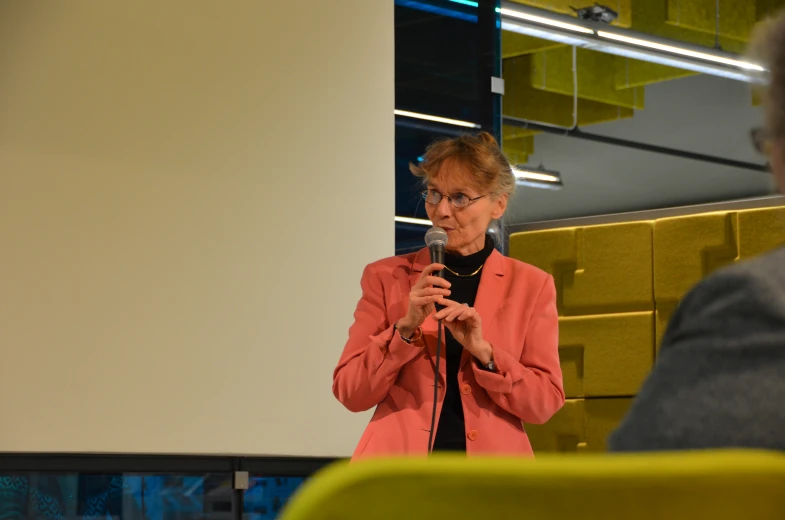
(467, 314)
(426, 296)
(435, 281)
(449, 303)
(454, 311)
(432, 269)
(450, 307)
(422, 301)
(454, 314)
(431, 291)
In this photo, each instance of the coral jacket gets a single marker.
(517, 304)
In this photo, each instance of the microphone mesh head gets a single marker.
(436, 235)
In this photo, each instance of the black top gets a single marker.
(451, 432)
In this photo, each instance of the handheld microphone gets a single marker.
(436, 240)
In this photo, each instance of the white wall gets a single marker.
(188, 193)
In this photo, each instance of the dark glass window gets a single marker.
(446, 52)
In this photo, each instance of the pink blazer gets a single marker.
(517, 303)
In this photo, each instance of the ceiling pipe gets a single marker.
(615, 141)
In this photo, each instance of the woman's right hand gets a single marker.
(422, 297)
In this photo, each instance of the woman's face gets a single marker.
(465, 227)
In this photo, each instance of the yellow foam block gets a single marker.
(662, 316)
(552, 72)
(636, 73)
(622, 7)
(514, 44)
(651, 17)
(581, 426)
(518, 144)
(598, 269)
(736, 20)
(551, 250)
(526, 102)
(760, 231)
(686, 249)
(606, 355)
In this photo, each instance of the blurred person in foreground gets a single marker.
(719, 379)
(499, 315)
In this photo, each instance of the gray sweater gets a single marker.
(719, 379)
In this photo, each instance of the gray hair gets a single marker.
(767, 48)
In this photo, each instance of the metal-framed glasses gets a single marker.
(458, 200)
(761, 140)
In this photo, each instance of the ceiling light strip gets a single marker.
(670, 49)
(436, 119)
(592, 35)
(545, 21)
(415, 221)
(545, 33)
(535, 176)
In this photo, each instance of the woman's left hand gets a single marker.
(465, 324)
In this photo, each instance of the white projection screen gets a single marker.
(189, 191)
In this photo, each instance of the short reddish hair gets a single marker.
(488, 168)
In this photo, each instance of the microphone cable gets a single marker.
(435, 386)
(436, 240)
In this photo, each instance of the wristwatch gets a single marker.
(417, 334)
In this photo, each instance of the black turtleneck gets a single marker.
(451, 432)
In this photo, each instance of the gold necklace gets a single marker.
(465, 275)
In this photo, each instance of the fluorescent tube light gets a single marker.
(436, 119)
(412, 220)
(544, 33)
(704, 56)
(537, 177)
(545, 21)
(596, 36)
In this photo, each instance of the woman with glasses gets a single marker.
(719, 380)
(499, 316)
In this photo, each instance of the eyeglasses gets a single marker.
(458, 200)
(761, 140)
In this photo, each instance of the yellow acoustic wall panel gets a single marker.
(550, 250)
(617, 286)
(603, 277)
(737, 17)
(524, 101)
(514, 44)
(760, 230)
(623, 7)
(518, 143)
(636, 73)
(606, 355)
(581, 426)
(597, 269)
(612, 271)
(687, 249)
(552, 72)
(651, 17)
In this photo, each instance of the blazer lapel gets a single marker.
(490, 295)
